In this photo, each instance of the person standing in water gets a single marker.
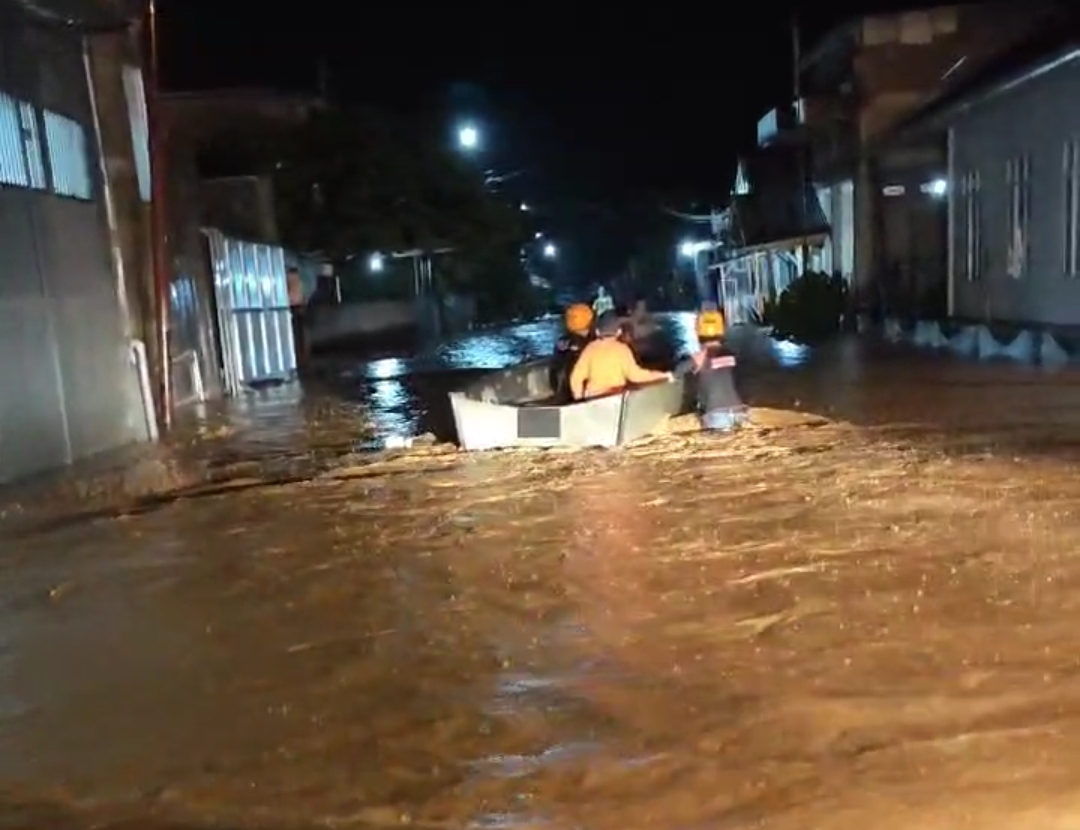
(721, 407)
(297, 312)
(603, 303)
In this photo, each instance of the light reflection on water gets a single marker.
(387, 367)
(789, 354)
(393, 408)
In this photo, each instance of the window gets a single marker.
(1018, 179)
(21, 163)
(916, 28)
(1070, 168)
(68, 156)
(135, 94)
(971, 206)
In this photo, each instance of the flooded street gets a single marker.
(857, 612)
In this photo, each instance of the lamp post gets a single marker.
(692, 250)
(159, 226)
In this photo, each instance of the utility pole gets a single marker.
(159, 225)
(324, 80)
(800, 148)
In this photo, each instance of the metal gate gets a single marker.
(254, 321)
(736, 296)
(67, 385)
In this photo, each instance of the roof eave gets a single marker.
(834, 39)
(936, 116)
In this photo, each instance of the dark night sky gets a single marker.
(606, 104)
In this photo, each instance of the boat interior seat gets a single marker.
(548, 401)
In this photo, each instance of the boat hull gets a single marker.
(507, 409)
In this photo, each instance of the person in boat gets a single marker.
(714, 364)
(578, 321)
(607, 364)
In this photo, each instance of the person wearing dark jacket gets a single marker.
(578, 321)
(721, 407)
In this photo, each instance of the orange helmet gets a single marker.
(578, 318)
(709, 324)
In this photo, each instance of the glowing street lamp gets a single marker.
(691, 249)
(468, 137)
(550, 251)
(375, 263)
(937, 188)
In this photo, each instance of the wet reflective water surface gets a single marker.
(857, 612)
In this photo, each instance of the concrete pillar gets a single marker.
(866, 197)
(109, 53)
(704, 279)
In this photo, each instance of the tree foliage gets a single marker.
(810, 310)
(361, 181)
(350, 183)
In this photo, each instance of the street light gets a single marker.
(524, 207)
(468, 137)
(550, 251)
(375, 263)
(690, 248)
(937, 188)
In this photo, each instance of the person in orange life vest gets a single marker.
(577, 320)
(607, 364)
(721, 407)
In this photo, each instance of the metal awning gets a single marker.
(792, 244)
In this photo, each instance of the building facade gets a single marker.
(69, 381)
(886, 199)
(1014, 233)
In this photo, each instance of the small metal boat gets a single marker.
(513, 408)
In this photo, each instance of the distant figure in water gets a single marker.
(603, 303)
(721, 407)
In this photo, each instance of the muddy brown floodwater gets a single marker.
(859, 612)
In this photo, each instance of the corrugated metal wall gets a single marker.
(67, 388)
(254, 320)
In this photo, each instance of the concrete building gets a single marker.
(74, 183)
(885, 198)
(1013, 137)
